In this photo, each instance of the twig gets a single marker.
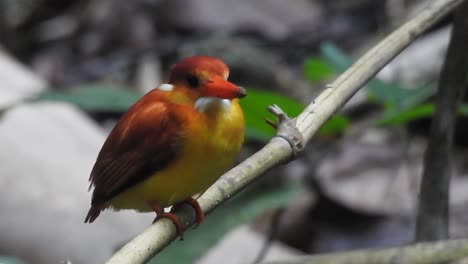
(272, 233)
(278, 150)
(421, 253)
(433, 213)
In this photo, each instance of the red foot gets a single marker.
(198, 211)
(194, 204)
(161, 214)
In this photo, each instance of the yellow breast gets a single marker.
(214, 137)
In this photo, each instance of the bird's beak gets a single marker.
(220, 88)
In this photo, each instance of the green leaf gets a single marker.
(240, 209)
(256, 103)
(335, 126)
(255, 110)
(463, 110)
(405, 116)
(402, 104)
(418, 112)
(10, 260)
(397, 97)
(316, 70)
(389, 94)
(95, 98)
(335, 57)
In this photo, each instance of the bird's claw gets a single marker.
(198, 211)
(286, 128)
(171, 216)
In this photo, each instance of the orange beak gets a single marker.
(220, 88)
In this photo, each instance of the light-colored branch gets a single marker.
(421, 253)
(433, 211)
(278, 150)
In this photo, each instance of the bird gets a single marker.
(172, 144)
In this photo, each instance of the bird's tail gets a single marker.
(93, 213)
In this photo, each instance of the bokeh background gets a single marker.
(69, 69)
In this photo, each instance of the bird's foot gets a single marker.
(171, 216)
(286, 128)
(198, 211)
(196, 206)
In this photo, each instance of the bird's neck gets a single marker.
(212, 105)
(220, 114)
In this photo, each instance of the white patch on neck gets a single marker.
(166, 87)
(204, 103)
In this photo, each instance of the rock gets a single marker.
(46, 153)
(57, 28)
(18, 83)
(372, 171)
(15, 13)
(242, 245)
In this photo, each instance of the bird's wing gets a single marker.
(144, 141)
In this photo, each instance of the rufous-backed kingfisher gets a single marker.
(172, 144)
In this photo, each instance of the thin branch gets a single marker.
(278, 150)
(433, 213)
(421, 253)
(272, 233)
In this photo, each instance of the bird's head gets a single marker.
(203, 76)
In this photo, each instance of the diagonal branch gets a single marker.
(433, 211)
(279, 150)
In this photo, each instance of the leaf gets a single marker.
(335, 126)
(255, 110)
(95, 98)
(317, 70)
(463, 110)
(335, 57)
(405, 116)
(418, 112)
(402, 104)
(240, 209)
(395, 97)
(389, 94)
(10, 260)
(256, 103)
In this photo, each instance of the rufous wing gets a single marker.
(146, 139)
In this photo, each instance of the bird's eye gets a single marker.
(192, 80)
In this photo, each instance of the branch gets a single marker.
(433, 213)
(279, 150)
(421, 253)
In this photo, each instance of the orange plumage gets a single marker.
(172, 144)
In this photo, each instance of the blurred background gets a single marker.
(69, 69)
